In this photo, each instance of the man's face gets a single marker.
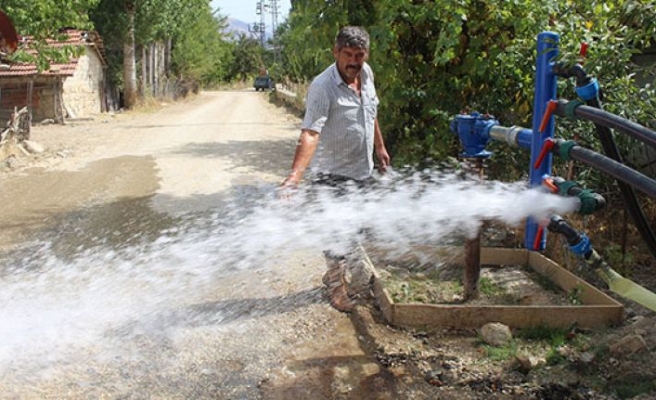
(350, 61)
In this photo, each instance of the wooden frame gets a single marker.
(598, 309)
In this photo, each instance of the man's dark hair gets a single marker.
(352, 36)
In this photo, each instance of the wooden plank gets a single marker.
(599, 310)
(502, 256)
(384, 299)
(568, 281)
(463, 316)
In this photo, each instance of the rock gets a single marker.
(496, 334)
(644, 324)
(628, 345)
(434, 378)
(361, 271)
(584, 361)
(526, 363)
(48, 121)
(33, 147)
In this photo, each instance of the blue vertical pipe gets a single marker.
(545, 90)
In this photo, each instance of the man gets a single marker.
(340, 134)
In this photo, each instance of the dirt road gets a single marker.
(118, 185)
(138, 261)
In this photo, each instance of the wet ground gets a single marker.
(137, 263)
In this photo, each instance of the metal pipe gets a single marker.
(515, 135)
(545, 90)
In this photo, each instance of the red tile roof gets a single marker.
(70, 37)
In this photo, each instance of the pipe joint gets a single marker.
(578, 242)
(588, 91)
(583, 247)
(473, 130)
(564, 147)
(590, 202)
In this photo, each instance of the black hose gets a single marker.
(611, 150)
(577, 71)
(609, 120)
(558, 225)
(619, 171)
(630, 198)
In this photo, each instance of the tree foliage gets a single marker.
(200, 52)
(41, 20)
(433, 59)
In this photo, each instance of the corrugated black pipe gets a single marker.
(617, 170)
(610, 148)
(630, 198)
(609, 120)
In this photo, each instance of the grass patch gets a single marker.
(554, 336)
(489, 288)
(627, 387)
(501, 353)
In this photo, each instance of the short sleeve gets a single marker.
(317, 108)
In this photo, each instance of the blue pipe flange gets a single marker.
(589, 91)
(583, 246)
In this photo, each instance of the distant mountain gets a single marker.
(237, 27)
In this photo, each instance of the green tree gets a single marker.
(207, 61)
(247, 58)
(42, 19)
(433, 59)
(199, 49)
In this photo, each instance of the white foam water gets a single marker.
(53, 306)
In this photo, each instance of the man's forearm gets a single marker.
(307, 145)
(379, 142)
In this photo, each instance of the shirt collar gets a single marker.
(337, 78)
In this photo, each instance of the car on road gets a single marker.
(263, 83)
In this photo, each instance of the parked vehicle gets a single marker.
(263, 83)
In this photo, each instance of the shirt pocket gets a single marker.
(347, 109)
(371, 105)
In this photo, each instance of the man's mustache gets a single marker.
(353, 66)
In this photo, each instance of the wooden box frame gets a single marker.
(598, 309)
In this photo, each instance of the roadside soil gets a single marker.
(132, 173)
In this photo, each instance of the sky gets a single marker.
(244, 10)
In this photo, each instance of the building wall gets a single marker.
(83, 90)
(14, 94)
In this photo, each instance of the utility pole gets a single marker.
(273, 6)
(274, 26)
(260, 28)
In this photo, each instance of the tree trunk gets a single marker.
(129, 62)
(153, 68)
(144, 71)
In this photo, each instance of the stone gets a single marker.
(496, 334)
(33, 147)
(360, 273)
(526, 363)
(628, 345)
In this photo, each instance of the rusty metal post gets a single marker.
(476, 168)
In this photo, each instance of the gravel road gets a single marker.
(113, 283)
(143, 255)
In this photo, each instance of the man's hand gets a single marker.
(289, 186)
(383, 160)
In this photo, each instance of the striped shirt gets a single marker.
(345, 123)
